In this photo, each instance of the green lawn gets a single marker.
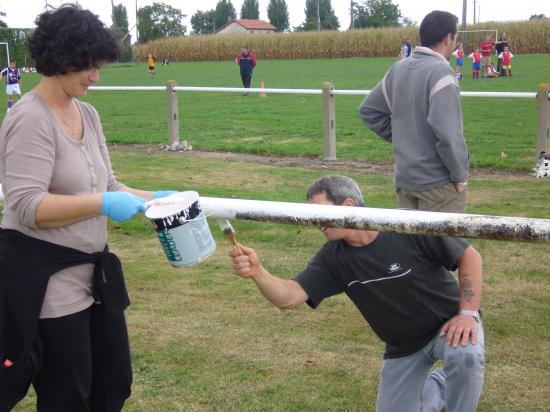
(292, 124)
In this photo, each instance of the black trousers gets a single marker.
(247, 79)
(86, 362)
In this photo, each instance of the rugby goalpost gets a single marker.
(3, 43)
(464, 35)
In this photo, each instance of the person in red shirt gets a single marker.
(476, 63)
(459, 53)
(506, 57)
(486, 47)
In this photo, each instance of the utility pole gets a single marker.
(463, 39)
(474, 11)
(318, 17)
(352, 4)
(137, 27)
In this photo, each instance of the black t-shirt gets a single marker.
(400, 283)
(499, 47)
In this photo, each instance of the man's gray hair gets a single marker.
(337, 189)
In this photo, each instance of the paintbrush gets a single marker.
(229, 232)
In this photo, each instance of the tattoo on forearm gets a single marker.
(467, 291)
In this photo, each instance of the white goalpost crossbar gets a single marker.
(480, 31)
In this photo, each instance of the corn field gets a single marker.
(523, 37)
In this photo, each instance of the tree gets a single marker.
(250, 10)
(328, 19)
(17, 40)
(120, 28)
(407, 22)
(225, 12)
(277, 12)
(537, 17)
(203, 22)
(159, 20)
(378, 13)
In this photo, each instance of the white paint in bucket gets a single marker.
(182, 228)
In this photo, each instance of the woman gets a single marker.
(59, 189)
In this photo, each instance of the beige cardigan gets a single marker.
(37, 157)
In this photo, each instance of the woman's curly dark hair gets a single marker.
(69, 39)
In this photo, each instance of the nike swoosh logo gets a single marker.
(379, 279)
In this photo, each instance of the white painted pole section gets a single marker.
(251, 90)
(335, 92)
(520, 95)
(129, 88)
(385, 220)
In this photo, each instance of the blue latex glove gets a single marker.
(121, 206)
(163, 193)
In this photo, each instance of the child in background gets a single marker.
(476, 63)
(491, 71)
(151, 65)
(13, 82)
(506, 57)
(459, 53)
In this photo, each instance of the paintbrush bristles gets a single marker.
(225, 226)
(228, 231)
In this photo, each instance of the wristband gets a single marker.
(472, 313)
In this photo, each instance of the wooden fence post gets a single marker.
(173, 114)
(543, 120)
(329, 122)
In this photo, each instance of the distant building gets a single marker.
(240, 26)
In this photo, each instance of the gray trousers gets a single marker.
(444, 198)
(406, 384)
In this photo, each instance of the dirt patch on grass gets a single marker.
(314, 163)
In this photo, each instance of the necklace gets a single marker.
(74, 130)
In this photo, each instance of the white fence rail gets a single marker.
(385, 220)
(334, 92)
(329, 107)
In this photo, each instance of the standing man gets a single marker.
(486, 47)
(406, 47)
(13, 82)
(402, 286)
(247, 61)
(416, 107)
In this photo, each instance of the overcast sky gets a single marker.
(21, 13)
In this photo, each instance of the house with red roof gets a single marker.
(242, 26)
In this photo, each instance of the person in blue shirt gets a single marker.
(247, 61)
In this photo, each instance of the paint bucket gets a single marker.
(182, 228)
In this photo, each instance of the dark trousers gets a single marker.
(247, 79)
(86, 362)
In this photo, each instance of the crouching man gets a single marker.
(403, 287)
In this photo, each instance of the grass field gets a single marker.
(292, 124)
(204, 340)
